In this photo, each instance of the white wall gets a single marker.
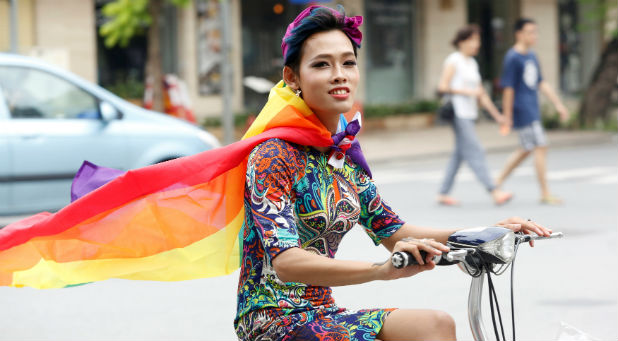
(65, 32)
(545, 13)
(439, 22)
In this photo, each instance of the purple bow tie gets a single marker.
(344, 143)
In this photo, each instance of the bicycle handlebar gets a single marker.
(524, 238)
(402, 259)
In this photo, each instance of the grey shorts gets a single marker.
(532, 136)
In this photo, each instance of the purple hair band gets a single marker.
(350, 28)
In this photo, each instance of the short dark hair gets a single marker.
(320, 20)
(465, 33)
(521, 22)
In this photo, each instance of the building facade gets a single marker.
(405, 43)
(59, 31)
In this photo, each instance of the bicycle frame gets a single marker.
(475, 316)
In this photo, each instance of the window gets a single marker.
(263, 25)
(32, 93)
(496, 20)
(572, 29)
(389, 32)
(209, 42)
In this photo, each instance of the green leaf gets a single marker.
(126, 17)
(180, 3)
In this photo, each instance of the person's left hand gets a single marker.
(518, 224)
(505, 128)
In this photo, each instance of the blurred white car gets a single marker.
(52, 120)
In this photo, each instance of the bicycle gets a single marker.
(480, 252)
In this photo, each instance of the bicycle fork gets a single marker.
(475, 317)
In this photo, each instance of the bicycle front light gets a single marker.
(494, 244)
(502, 248)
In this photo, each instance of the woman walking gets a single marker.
(461, 81)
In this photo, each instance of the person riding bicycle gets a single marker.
(301, 200)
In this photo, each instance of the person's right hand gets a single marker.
(412, 245)
(505, 127)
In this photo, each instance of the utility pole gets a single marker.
(14, 44)
(226, 76)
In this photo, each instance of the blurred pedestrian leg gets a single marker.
(468, 149)
(511, 163)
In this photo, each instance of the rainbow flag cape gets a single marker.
(173, 221)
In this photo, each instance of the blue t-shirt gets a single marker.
(522, 73)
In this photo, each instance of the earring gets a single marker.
(297, 92)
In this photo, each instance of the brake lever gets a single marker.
(524, 238)
(457, 255)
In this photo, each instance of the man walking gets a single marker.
(521, 80)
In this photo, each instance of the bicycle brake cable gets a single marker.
(494, 297)
(491, 306)
(512, 290)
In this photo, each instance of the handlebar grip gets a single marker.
(401, 259)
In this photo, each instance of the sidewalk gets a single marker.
(438, 141)
(388, 145)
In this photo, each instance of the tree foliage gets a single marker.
(126, 18)
(597, 11)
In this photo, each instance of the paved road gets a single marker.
(572, 280)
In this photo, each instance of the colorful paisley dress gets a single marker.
(293, 198)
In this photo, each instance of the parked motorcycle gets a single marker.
(479, 252)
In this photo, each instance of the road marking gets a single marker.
(606, 180)
(595, 175)
(580, 173)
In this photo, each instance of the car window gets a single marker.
(32, 93)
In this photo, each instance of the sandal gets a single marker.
(504, 198)
(551, 200)
(448, 201)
